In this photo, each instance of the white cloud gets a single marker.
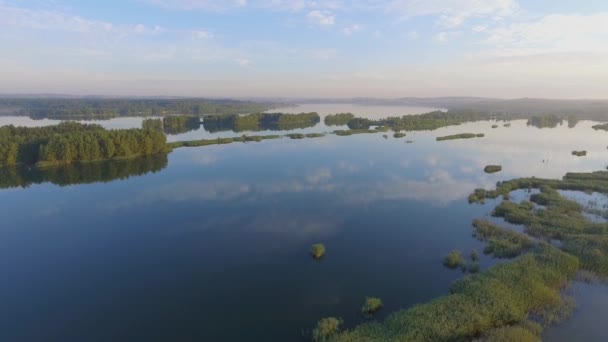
(324, 18)
(555, 33)
(50, 20)
(351, 29)
(453, 13)
(243, 62)
(201, 34)
(214, 5)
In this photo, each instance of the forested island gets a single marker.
(70, 142)
(260, 122)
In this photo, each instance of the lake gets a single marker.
(211, 243)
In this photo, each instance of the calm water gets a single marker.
(211, 244)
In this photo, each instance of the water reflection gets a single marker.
(86, 173)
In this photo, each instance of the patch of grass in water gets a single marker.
(503, 296)
(454, 260)
(317, 251)
(501, 242)
(326, 329)
(399, 135)
(371, 305)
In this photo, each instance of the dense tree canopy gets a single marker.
(71, 142)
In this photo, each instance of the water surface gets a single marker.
(212, 244)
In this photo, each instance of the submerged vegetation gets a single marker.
(371, 305)
(317, 251)
(492, 168)
(460, 136)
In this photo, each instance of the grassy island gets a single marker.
(399, 135)
(603, 127)
(460, 136)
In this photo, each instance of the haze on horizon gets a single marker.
(301, 48)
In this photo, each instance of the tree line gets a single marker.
(107, 108)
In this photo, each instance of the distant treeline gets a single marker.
(71, 142)
(82, 173)
(106, 108)
(260, 122)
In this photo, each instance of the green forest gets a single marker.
(71, 142)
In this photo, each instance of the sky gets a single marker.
(302, 48)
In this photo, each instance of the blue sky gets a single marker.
(301, 48)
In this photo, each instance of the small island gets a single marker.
(460, 136)
(492, 168)
(579, 153)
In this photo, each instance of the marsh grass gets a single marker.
(454, 260)
(399, 135)
(326, 329)
(502, 296)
